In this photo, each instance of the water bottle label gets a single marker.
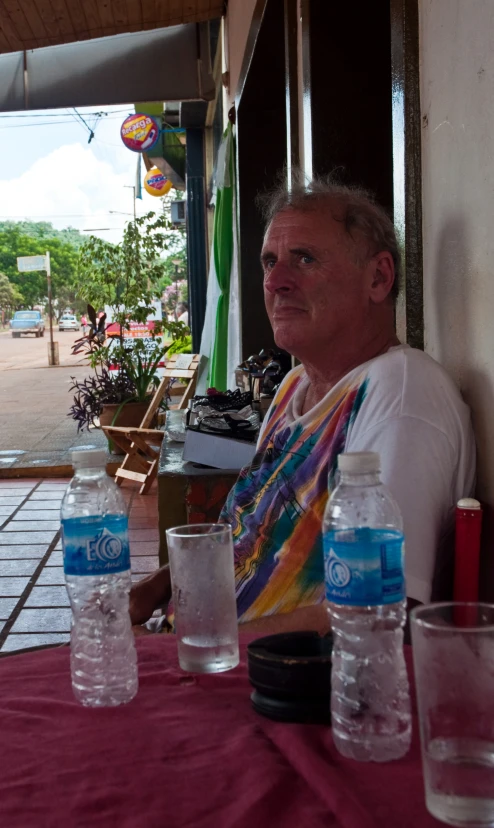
(95, 545)
(364, 567)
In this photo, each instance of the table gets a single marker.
(187, 492)
(187, 752)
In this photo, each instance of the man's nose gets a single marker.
(279, 278)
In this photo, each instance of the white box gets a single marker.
(216, 451)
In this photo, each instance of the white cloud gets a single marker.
(72, 186)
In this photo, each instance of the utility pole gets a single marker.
(27, 264)
(176, 262)
(50, 308)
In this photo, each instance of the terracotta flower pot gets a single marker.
(131, 414)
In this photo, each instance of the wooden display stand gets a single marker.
(142, 445)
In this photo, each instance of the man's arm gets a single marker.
(149, 594)
(306, 618)
(153, 591)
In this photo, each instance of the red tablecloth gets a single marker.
(186, 752)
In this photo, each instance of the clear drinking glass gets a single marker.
(203, 585)
(453, 652)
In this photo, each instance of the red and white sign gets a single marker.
(137, 330)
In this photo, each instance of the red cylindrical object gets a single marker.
(467, 556)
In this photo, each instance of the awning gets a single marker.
(170, 64)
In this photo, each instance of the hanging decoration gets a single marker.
(140, 132)
(155, 183)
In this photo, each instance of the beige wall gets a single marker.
(457, 102)
(238, 19)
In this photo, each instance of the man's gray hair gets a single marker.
(359, 212)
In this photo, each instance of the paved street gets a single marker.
(34, 401)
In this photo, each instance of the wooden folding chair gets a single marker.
(142, 445)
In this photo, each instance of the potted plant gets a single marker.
(120, 390)
(123, 278)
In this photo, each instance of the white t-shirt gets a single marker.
(413, 415)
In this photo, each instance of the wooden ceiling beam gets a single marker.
(10, 31)
(47, 14)
(106, 17)
(5, 43)
(78, 18)
(134, 14)
(14, 11)
(120, 14)
(149, 16)
(33, 17)
(176, 11)
(63, 18)
(30, 24)
(92, 18)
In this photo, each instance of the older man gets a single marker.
(331, 263)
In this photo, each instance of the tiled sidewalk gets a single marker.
(34, 606)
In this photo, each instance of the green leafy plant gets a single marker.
(140, 364)
(142, 367)
(180, 346)
(123, 374)
(10, 297)
(93, 393)
(125, 276)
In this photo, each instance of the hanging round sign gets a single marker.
(155, 183)
(140, 132)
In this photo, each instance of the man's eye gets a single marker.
(306, 259)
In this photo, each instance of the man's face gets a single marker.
(313, 288)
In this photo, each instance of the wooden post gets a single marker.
(53, 358)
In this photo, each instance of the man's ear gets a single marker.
(381, 276)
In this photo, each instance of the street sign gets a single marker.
(25, 264)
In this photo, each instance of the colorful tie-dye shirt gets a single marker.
(277, 504)
(402, 405)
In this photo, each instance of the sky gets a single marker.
(49, 171)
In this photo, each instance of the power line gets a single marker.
(47, 123)
(60, 115)
(61, 215)
(43, 123)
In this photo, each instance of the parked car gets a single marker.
(27, 321)
(68, 322)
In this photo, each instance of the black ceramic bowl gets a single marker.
(291, 676)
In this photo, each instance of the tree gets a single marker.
(16, 241)
(9, 296)
(176, 234)
(177, 246)
(125, 276)
(68, 298)
(44, 230)
(174, 267)
(174, 294)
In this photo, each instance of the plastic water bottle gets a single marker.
(97, 572)
(365, 590)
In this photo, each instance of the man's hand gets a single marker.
(149, 594)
